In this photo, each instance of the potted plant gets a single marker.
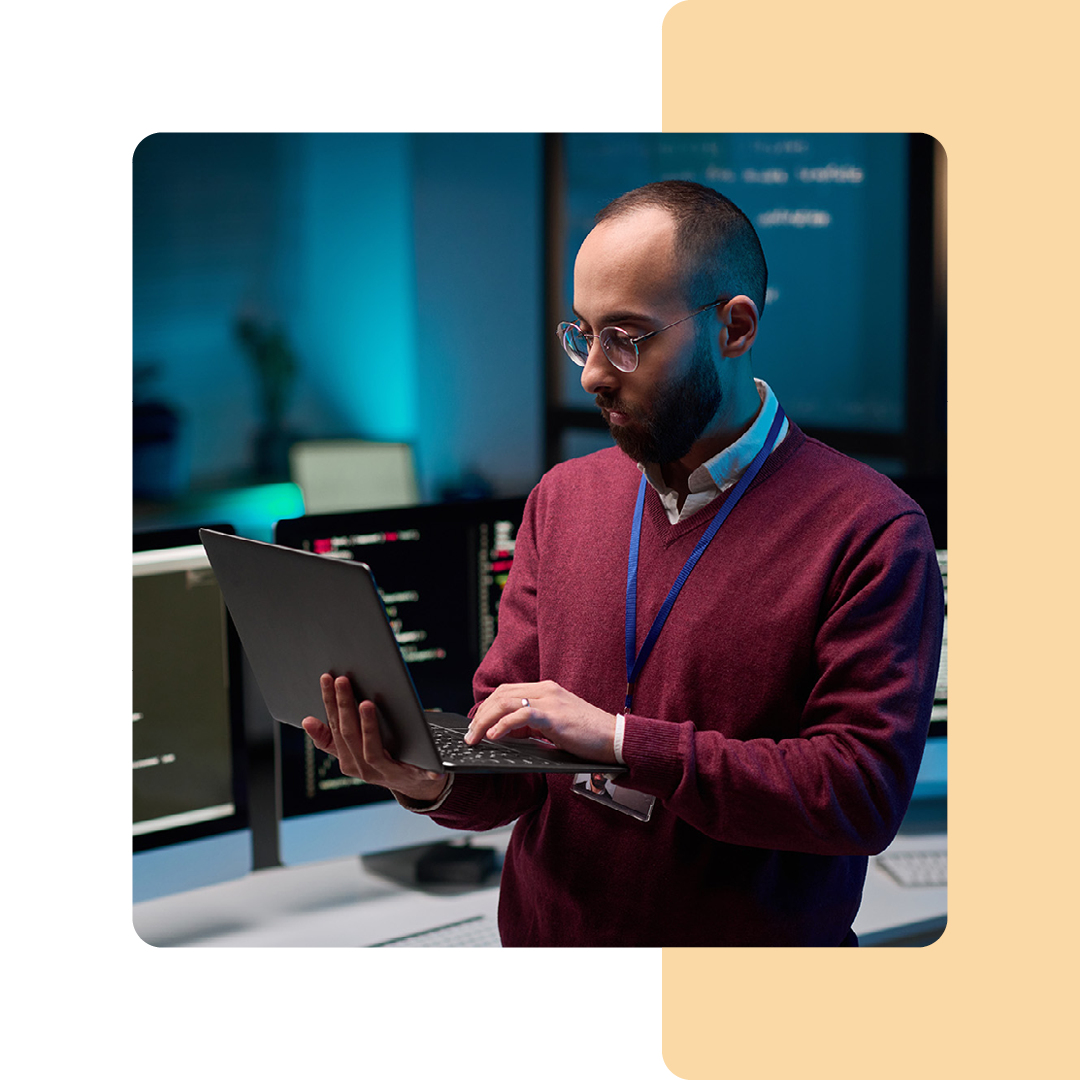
(276, 367)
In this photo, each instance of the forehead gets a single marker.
(627, 264)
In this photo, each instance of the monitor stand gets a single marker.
(446, 867)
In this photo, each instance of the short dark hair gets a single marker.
(714, 239)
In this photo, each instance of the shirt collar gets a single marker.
(723, 470)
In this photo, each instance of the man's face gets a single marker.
(626, 275)
(683, 404)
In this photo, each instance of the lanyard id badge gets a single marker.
(635, 659)
(601, 788)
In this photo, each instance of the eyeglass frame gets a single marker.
(635, 341)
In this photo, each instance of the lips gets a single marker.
(612, 415)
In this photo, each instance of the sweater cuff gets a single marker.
(418, 807)
(651, 751)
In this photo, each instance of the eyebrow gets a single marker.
(617, 317)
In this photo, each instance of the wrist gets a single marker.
(422, 794)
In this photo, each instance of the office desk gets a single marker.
(340, 902)
(348, 902)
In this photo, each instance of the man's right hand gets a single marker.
(351, 734)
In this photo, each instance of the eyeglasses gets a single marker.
(619, 347)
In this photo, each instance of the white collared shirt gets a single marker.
(721, 472)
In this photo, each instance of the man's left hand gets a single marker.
(551, 713)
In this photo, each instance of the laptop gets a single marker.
(299, 614)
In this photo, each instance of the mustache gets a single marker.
(613, 404)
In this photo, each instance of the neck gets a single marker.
(732, 420)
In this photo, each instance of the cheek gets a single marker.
(646, 390)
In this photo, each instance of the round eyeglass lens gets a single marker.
(575, 343)
(619, 349)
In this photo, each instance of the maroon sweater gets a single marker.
(779, 721)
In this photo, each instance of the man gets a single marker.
(773, 725)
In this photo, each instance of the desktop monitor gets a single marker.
(440, 570)
(849, 222)
(189, 795)
(933, 778)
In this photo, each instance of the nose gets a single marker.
(598, 374)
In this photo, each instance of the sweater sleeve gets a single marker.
(842, 786)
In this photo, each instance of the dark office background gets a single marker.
(404, 270)
(415, 280)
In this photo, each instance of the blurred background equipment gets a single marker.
(353, 474)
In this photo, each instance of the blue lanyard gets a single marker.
(634, 664)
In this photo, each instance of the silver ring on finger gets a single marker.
(525, 703)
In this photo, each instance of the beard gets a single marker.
(679, 414)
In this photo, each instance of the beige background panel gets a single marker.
(992, 84)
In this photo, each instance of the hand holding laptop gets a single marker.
(352, 736)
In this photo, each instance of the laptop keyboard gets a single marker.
(452, 748)
(476, 932)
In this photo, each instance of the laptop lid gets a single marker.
(299, 614)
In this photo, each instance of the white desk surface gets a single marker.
(887, 905)
(342, 903)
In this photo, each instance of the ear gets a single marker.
(740, 319)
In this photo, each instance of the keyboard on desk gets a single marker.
(913, 869)
(479, 931)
